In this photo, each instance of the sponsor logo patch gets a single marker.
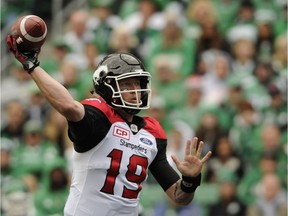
(120, 132)
(146, 141)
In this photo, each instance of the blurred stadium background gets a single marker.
(219, 72)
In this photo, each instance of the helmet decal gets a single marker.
(99, 73)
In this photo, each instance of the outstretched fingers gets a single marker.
(195, 149)
(175, 160)
(194, 146)
(206, 157)
(188, 147)
(199, 149)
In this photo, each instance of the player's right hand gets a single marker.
(29, 59)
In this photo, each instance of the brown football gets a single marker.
(30, 32)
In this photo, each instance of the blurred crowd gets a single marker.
(219, 72)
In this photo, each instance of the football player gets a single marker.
(113, 146)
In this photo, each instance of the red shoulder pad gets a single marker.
(154, 127)
(100, 104)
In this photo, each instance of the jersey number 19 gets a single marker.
(113, 172)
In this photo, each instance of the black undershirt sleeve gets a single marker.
(89, 131)
(160, 168)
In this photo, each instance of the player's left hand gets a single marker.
(192, 164)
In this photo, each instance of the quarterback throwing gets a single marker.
(113, 146)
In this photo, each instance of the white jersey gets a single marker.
(107, 179)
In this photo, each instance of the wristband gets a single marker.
(30, 66)
(189, 184)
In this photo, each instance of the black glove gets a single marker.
(29, 59)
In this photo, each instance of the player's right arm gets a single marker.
(57, 95)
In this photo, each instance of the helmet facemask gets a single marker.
(142, 95)
(115, 68)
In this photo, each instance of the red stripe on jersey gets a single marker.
(100, 104)
(154, 127)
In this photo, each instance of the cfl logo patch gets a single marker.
(120, 132)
